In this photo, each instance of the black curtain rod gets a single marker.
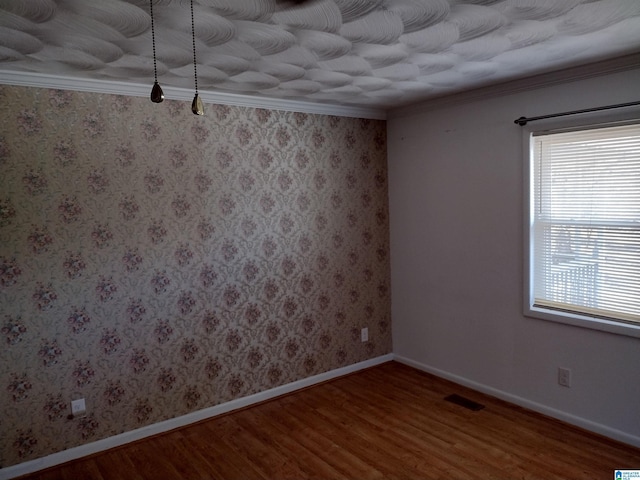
(522, 121)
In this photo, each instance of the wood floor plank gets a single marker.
(283, 440)
(150, 461)
(87, 469)
(388, 422)
(252, 444)
(118, 464)
(310, 430)
(226, 458)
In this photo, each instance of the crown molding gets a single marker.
(556, 77)
(37, 80)
(543, 80)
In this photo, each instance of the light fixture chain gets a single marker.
(153, 43)
(157, 95)
(193, 39)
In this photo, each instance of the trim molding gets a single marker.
(528, 404)
(178, 422)
(28, 79)
(555, 77)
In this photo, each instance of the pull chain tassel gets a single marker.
(196, 106)
(157, 95)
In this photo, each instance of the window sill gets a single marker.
(583, 321)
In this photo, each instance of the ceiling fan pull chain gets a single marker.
(196, 106)
(157, 95)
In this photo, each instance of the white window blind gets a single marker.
(586, 222)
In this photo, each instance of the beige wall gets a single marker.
(156, 263)
(456, 176)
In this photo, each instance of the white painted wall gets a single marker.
(456, 203)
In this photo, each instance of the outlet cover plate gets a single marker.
(78, 407)
(564, 377)
(364, 334)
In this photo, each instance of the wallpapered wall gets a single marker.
(156, 263)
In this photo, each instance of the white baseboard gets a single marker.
(529, 404)
(161, 427)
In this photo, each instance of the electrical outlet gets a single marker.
(78, 407)
(564, 377)
(364, 334)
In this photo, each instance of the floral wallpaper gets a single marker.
(156, 263)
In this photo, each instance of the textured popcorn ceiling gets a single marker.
(365, 53)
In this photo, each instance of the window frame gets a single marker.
(557, 125)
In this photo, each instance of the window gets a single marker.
(583, 229)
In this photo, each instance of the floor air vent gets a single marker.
(464, 402)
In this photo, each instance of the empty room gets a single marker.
(333, 239)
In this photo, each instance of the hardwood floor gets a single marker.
(387, 422)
